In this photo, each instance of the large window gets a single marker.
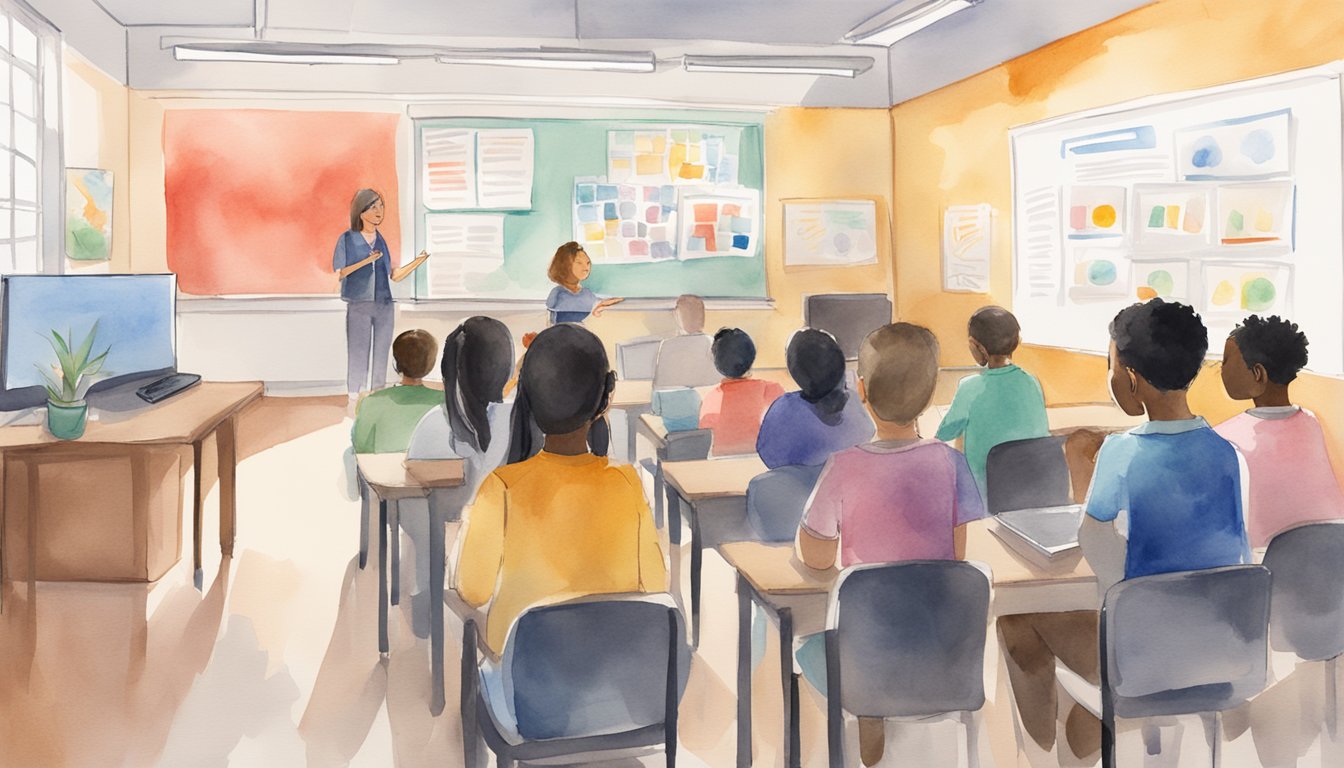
(30, 177)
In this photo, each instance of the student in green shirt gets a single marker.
(1000, 404)
(385, 419)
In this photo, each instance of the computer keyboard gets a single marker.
(167, 386)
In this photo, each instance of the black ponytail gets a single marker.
(477, 360)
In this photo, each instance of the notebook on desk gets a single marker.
(1045, 532)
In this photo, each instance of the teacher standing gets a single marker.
(362, 263)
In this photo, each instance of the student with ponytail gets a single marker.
(576, 524)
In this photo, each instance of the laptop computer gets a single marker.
(1046, 531)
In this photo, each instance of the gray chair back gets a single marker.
(1179, 643)
(1025, 474)
(909, 638)
(1307, 607)
(687, 445)
(594, 666)
(776, 500)
(636, 358)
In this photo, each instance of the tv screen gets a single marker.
(849, 317)
(135, 314)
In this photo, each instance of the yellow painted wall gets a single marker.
(96, 114)
(950, 147)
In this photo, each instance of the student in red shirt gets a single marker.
(735, 406)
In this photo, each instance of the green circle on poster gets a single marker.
(1160, 280)
(1258, 294)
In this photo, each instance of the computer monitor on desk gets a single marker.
(136, 317)
(849, 317)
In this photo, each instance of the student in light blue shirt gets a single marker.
(570, 301)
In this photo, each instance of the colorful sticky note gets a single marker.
(607, 192)
(1194, 215)
(1104, 216)
(741, 242)
(1257, 294)
(653, 214)
(676, 155)
(691, 171)
(628, 192)
(1223, 294)
(596, 250)
(1145, 293)
(732, 209)
(662, 249)
(643, 230)
(706, 233)
(1078, 217)
(643, 143)
(660, 144)
(658, 233)
(628, 229)
(638, 248)
(587, 213)
(628, 210)
(1173, 216)
(693, 153)
(651, 194)
(594, 232)
(649, 165)
(1235, 223)
(695, 244)
(1157, 217)
(740, 224)
(585, 193)
(613, 227)
(1264, 220)
(706, 212)
(609, 211)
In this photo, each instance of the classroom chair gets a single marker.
(1024, 474)
(636, 358)
(1178, 644)
(599, 674)
(776, 500)
(1307, 604)
(906, 640)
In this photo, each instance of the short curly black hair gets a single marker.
(995, 328)
(1274, 343)
(1163, 341)
(734, 352)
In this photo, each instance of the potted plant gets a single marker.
(70, 379)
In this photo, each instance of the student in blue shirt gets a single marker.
(1166, 496)
(570, 301)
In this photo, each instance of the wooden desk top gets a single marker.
(632, 393)
(713, 478)
(652, 426)
(775, 569)
(183, 418)
(388, 475)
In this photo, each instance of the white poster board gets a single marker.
(1227, 198)
(967, 239)
(832, 233)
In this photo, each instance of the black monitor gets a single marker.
(136, 316)
(849, 317)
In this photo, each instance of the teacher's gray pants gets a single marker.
(365, 321)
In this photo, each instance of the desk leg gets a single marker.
(673, 514)
(364, 512)
(658, 493)
(382, 576)
(394, 531)
(630, 436)
(743, 672)
(697, 562)
(438, 561)
(790, 688)
(226, 444)
(197, 513)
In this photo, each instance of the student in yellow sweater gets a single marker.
(558, 520)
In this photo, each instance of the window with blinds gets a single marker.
(23, 123)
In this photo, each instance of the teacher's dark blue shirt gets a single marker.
(371, 282)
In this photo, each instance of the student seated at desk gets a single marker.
(1000, 404)
(1166, 496)
(897, 498)
(577, 525)
(804, 428)
(385, 419)
(1291, 479)
(735, 407)
(687, 359)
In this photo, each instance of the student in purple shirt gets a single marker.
(897, 498)
(804, 428)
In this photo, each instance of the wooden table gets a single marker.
(772, 576)
(695, 482)
(189, 418)
(393, 478)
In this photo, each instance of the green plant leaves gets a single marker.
(75, 366)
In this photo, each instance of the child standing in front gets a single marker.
(1291, 478)
(1001, 403)
(897, 498)
(570, 301)
(576, 524)
(385, 419)
(734, 409)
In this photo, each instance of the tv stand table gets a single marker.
(132, 438)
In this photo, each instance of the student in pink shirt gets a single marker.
(1291, 478)
(735, 407)
(897, 498)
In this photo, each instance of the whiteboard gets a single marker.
(1228, 199)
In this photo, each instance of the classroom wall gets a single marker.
(95, 136)
(950, 147)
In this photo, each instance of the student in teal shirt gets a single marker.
(1000, 404)
(386, 419)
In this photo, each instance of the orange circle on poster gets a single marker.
(1104, 216)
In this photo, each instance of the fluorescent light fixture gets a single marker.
(905, 19)
(552, 58)
(838, 66)
(280, 53)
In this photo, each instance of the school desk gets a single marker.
(632, 397)
(393, 478)
(772, 576)
(698, 485)
(79, 502)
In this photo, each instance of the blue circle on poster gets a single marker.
(1207, 153)
(1101, 273)
(1258, 146)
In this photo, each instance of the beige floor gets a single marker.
(276, 663)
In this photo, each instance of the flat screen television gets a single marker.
(849, 317)
(136, 317)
